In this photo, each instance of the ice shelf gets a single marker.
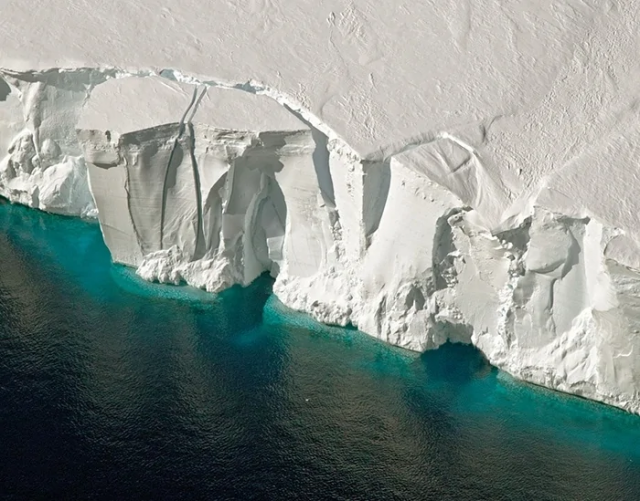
(426, 171)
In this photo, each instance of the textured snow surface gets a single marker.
(423, 170)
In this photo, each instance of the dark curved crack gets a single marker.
(176, 143)
(5, 90)
(200, 248)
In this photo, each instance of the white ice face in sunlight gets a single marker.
(444, 173)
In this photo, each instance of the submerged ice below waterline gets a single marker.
(116, 392)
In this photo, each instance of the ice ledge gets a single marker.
(213, 183)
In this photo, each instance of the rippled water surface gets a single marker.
(111, 388)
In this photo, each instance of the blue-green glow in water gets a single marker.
(112, 388)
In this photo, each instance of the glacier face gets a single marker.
(426, 172)
(213, 186)
(42, 164)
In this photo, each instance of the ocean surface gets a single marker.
(112, 388)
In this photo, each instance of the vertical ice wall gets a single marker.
(211, 186)
(423, 244)
(41, 163)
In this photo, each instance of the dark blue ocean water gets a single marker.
(111, 388)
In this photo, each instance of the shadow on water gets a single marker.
(112, 388)
(455, 364)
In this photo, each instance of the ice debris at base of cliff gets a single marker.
(213, 186)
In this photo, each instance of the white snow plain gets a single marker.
(427, 171)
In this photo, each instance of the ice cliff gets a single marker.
(464, 174)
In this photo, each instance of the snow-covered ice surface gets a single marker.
(423, 170)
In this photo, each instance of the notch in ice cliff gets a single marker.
(213, 184)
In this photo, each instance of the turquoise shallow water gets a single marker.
(112, 388)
